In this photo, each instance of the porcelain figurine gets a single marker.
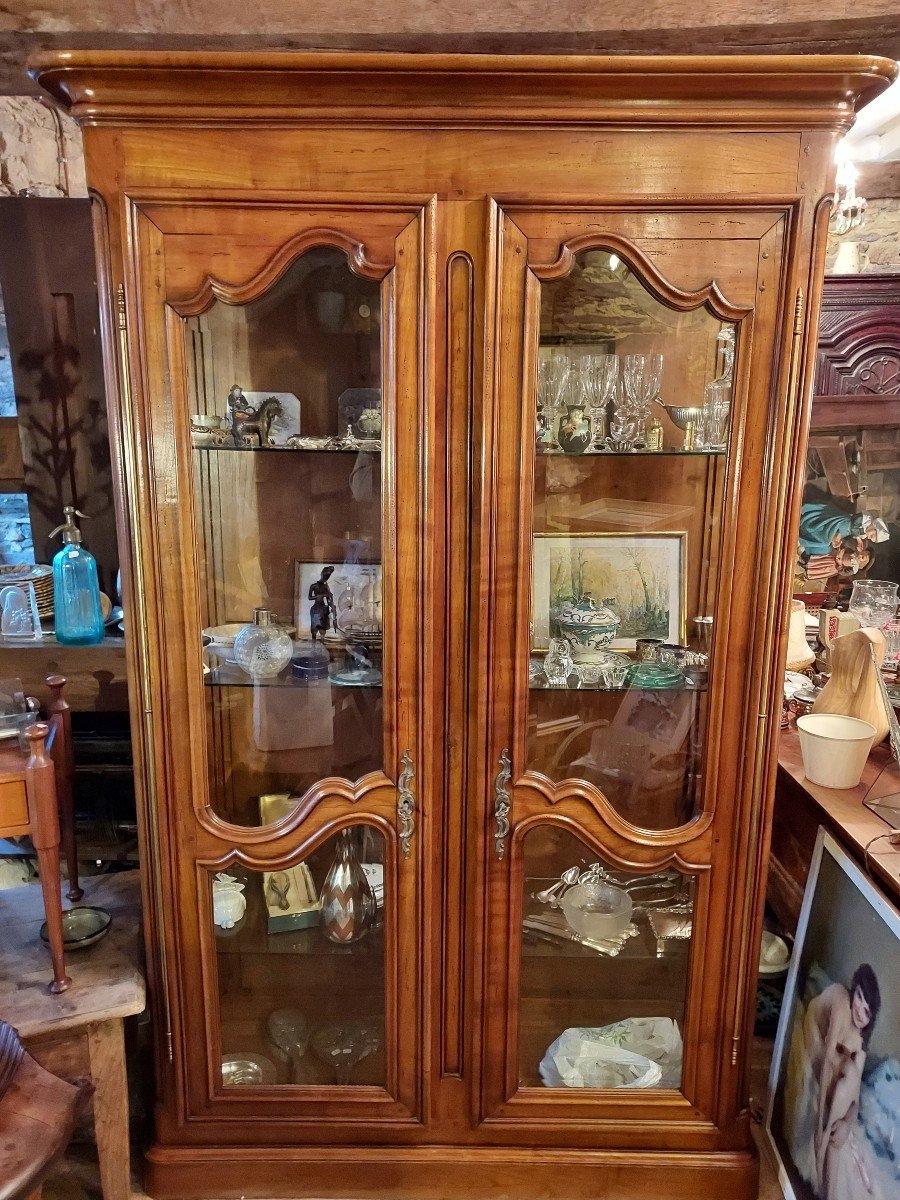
(229, 901)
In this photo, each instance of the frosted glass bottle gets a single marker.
(262, 648)
(78, 619)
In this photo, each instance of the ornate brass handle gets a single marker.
(406, 803)
(501, 804)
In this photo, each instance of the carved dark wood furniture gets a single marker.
(857, 377)
(414, 253)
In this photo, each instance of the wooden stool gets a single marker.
(37, 1115)
(28, 806)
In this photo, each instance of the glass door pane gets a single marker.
(300, 960)
(604, 969)
(286, 426)
(631, 429)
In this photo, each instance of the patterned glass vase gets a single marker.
(348, 903)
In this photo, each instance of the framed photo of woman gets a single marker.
(833, 1113)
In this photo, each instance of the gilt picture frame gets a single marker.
(642, 577)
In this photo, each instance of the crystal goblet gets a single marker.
(642, 374)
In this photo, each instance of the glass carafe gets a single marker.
(717, 407)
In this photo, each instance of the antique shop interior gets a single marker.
(449, 602)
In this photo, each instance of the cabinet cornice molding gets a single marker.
(202, 88)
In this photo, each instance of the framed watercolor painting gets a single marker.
(833, 1112)
(640, 576)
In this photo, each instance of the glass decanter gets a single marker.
(262, 648)
(717, 405)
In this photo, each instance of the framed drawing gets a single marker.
(355, 604)
(834, 1088)
(640, 576)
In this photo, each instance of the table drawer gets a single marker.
(13, 804)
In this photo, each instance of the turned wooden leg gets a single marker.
(44, 825)
(106, 1041)
(63, 754)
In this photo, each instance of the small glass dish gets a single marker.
(654, 675)
(597, 910)
(82, 927)
(247, 1070)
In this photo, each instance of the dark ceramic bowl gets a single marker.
(82, 927)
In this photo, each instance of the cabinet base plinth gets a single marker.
(443, 1173)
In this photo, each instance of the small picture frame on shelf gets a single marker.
(354, 606)
(834, 1086)
(289, 894)
(639, 577)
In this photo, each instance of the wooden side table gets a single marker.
(81, 1034)
(28, 806)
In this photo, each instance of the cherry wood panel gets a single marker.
(459, 183)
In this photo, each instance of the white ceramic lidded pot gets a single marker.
(588, 627)
(229, 901)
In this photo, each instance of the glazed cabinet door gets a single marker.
(277, 431)
(638, 437)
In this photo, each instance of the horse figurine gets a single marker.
(255, 428)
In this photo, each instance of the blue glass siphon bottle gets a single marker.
(76, 592)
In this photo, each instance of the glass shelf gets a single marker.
(681, 689)
(667, 452)
(231, 675)
(363, 448)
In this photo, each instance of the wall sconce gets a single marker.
(848, 209)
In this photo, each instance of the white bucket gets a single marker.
(834, 748)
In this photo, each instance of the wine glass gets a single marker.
(596, 378)
(554, 378)
(342, 1045)
(873, 602)
(642, 374)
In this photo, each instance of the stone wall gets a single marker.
(30, 150)
(872, 248)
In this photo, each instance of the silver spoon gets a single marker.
(548, 896)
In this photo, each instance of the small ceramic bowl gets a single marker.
(82, 927)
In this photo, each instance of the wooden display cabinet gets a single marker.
(445, 242)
